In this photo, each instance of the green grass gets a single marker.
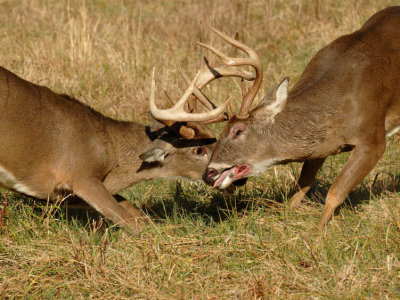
(202, 244)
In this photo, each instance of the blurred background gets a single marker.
(102, 52)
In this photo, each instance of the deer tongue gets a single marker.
(222, 177)
(237, 171)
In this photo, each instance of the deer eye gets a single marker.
(199, 151)
(238, 131)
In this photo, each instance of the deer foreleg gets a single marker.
(361, 161)
(307, 176)
(97, 196)
(122, 201)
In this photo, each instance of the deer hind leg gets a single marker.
(97, 196)
(361, 161)
(307, 176)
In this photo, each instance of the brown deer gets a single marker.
(347, 99)
(52, 144)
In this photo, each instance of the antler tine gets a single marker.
(243, 88)
(205, 75)
(170, 99)
(230, 112)
(221, 118)
(184, 131)
(253, 60)
(177, 112)
(236, 43)
(192, 104)
(199, 94)
(209, 73)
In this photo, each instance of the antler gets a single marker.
(253, 60)
(204, 76)
(177, 112)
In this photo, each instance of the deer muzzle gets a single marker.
(224, 177)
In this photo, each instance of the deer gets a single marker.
(53, 145)
(345, 100)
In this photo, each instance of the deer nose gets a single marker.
(211, 172)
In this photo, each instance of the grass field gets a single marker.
(202, 244)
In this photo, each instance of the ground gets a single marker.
(202, 244)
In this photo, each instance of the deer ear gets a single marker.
(281, 94)
(157, 151)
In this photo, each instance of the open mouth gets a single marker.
(230, 175)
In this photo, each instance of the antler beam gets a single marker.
(253, 60)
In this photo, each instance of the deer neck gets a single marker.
(128, 141)
(299, 131)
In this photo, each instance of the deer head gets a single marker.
(189, 123)
(174, 155)
(228, 164)
(237, 154)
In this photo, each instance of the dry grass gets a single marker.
(204, 245)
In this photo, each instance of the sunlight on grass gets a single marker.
(201, 244)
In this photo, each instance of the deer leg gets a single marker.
(125, 204)
(133, 211)
(97, 196)
(307, 176)
(128, 206)
(361, 161)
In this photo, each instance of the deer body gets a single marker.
(347, 98)
(51, 144)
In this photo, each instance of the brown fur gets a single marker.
(52, 144)
(346, 99)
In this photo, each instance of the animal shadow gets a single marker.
(219, 207)
(365, 192)
(216, 208)
(223, 205)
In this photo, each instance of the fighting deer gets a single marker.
(52, 144)
(345, 100)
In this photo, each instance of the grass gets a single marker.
(202, 244)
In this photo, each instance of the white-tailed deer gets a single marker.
(347, 99)
(52, 144)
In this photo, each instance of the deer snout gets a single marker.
(209, 175)
(211, 172)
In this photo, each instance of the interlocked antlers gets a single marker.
(177, 112)
(171, 117)
(253, 60)
(204, 76)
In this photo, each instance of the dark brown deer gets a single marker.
(52, 144)
(347, 99)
